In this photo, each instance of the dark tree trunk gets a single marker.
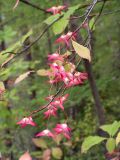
(94, 89)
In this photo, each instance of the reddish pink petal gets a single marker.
(66, 135)
(50, 134)
(26, 121)
(39, 134)
(46, 133)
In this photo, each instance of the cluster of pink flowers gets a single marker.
(59, 129)
(51, 111)
(53, 106)
(55, 57)
(26, 121)
(58, 72)
(61, 70)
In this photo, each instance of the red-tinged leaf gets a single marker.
(25, 156)
(16, 4)
(22, 77)
(46, 154)
(7, 60)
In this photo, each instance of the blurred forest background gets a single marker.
(19, 28)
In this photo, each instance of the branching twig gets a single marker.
(40, 109)
(62, 87)
(96, 14)
(99, 13)
(87, 15)
(89, 10)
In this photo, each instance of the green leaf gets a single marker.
(69, 67)
(60, 25)
(71, 10)
(82, 51)
(57, 153)
(110, 144)
(7, 34)
(18, 44)
(111, 129)
(91, 23)
(51, 19)
(90, 142)
(118, 138)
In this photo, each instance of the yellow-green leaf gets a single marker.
(67, 53)
(111, 129)
(2, 85)
(118, 138)
(91, 24)
(82, 51)
(90, 142)
(7, 60)
(42, 72)
(69, 67)
(110, 144)
(52, 19)
(57, 153)
(39, 142)
(59, 26)
(22, 77)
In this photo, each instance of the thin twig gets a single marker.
(112, 12)
(87, 15)
(34, 6)
(101, 10)
(96, 14)
(62, 87)
(40, 109)
(34, 42)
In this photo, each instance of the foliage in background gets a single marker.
(22, 98)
